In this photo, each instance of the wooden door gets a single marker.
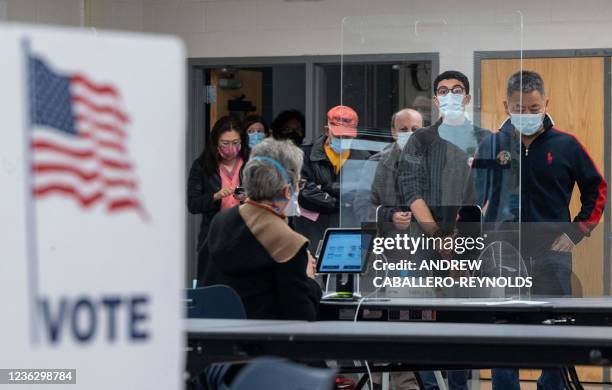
(252, 86)
(575, 88)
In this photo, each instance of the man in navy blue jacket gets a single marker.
(550, 163)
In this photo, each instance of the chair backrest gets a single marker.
(271, 373)
(218, 301)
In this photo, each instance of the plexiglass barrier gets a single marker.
(467, 176)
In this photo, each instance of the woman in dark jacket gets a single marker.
(215, 175)
(252, 249)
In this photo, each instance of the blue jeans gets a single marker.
(508, 379)
(457, 380)
(552, 274)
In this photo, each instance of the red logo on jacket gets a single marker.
(549, 158)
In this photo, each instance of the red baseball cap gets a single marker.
(342, 121)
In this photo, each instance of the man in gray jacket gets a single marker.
(383, 201)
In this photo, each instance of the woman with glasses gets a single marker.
(214, 179)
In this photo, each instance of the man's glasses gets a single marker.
(229, 143)
(457, 90)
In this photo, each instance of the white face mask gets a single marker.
(402, 138)
(292, 209)
(451, 108)
(527, 124)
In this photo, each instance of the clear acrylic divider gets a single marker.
(444, 200)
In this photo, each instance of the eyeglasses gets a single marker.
(457, 90)
(229, 143)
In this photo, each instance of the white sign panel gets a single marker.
(92, 211)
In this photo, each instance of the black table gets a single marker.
(578, 311)
(419, 344)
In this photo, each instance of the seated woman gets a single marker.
(252, 249)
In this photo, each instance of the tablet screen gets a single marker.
(343, 251)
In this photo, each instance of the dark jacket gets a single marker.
(436, 171)
(382, 190)
(201, 189)
(321, 193)
(255, 252)
(385, 189)
(551, 166)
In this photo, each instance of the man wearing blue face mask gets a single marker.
(434, 167)
(323, 161)
(551, 162)
(383, 191)
(433, 175)
(452, 95)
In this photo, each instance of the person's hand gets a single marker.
(562, 244)
(311, 266)
(447, 254)
(401, 219)
(223, 192)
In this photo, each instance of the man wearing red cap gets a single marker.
(323, 161)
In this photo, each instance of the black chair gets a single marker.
(218, 301)
(271, 373)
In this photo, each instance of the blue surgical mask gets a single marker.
(527, 124)
(451, 108)
(255, 138)
(336, 144)
(402, 138)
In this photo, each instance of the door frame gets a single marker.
(197, 65)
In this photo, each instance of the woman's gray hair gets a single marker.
(261, 179)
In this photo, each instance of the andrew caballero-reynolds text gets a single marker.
(416, 272)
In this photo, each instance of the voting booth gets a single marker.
(92, 208)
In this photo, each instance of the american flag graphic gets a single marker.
(79, 140)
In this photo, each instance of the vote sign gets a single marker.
(92, 211)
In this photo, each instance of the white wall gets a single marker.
(63, 12)
(239, 28)
(226, 28)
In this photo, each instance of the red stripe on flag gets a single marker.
(100, 125)
(118, 165)
(87, 177)
(63, 168)
(46, 145)
(102, 89)
(111, 110)
(85, 201)
(111, 145)
(120, 183)
(122, 204)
